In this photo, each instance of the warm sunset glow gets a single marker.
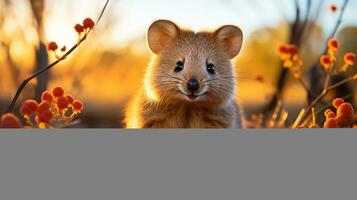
(114, 62)
(148, 85)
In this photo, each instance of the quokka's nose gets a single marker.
(193, 85)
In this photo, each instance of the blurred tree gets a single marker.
(6, 40)
(37, 8)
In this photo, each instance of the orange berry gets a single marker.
(325, 61)
(327, 111)
(43, 106)
(9, 120)
(47, 96)
(333, 44)
(292, 49)
(79, 28)
(350, 58)
(28, 107)
(333, 8)
(342, 122)
(331, 123)
(44, 117)
(52, 46)
(346, 111)
(62, 103)
(77, 105)
(58, 91)
(283, 49)
(337, 102)
(88, 23)
(69, 98)
(329, 114)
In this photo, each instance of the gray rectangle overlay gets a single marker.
(178, 164)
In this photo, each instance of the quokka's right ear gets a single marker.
(160, 34)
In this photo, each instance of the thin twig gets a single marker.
(27, 80)
(305, 87)
(314, 87)
(298, 119)
(339, 21)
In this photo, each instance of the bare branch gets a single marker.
(27, 80)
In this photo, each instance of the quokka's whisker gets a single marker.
(169, 77)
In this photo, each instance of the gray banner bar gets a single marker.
(178, 165)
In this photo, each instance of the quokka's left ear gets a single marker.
(230, 38)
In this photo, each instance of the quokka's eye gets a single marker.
(178, 67)
(210, 68)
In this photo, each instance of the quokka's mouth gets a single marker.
(192, 96)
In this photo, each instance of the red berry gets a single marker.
(28, 107)
(88, 23)
(283, 49)
(333, 8)
(63, 49)
(44, 117)
(9, 120)
(292, 49)
(47, 96)
(337, 102)
(52, 46)
(69, 98)
(44, 106)
(350, 58)
(333, 44)
(62, 103)
(77, 105)
(58, 91)
(325, 61)
(79, 28)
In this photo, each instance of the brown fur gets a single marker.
(161, 103)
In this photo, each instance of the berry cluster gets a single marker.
(345, 116)
(328, 61)
(86, 25)
(291, 58)
(55, 106)
(84, 28)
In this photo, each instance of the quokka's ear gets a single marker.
(230, 38)
(160, 34)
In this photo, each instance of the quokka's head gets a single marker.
(192, 67)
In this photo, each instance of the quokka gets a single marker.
(190, 82)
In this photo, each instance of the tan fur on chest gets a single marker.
(143, 114)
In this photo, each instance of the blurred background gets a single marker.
(108, 68)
